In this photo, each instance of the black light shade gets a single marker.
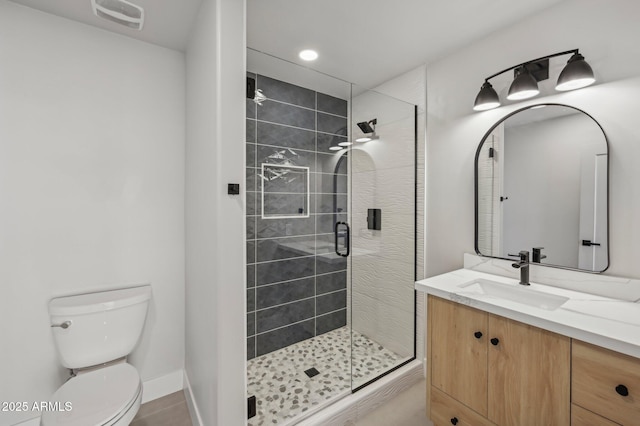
(524, 85)
(576, 74)
(487, 98)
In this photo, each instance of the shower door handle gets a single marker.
(347, 238)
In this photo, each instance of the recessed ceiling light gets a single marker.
(308, 55)
(335, 148)
(345, 143)
(364, 139)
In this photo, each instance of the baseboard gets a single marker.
(355, 406)
(196, 420)
(162, 386)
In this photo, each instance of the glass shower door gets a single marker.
(330, 238)
(382, 210)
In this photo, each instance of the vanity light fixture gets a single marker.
(575, 75)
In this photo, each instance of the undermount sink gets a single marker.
(514, 293)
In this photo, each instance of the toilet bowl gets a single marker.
(107, 396)
(93, 334)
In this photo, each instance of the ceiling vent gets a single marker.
(119, 11)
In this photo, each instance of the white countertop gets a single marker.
(609, 323)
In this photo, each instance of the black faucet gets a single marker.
(537, 254)
(523, 265)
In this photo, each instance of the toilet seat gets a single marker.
(98, 398)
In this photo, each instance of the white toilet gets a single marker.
(94, 333)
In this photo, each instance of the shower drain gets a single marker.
(311, 372)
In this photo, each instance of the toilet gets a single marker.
(93, 334)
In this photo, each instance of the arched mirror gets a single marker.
(541, 177)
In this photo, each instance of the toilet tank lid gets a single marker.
(101, 301)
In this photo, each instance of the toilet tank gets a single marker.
(102, 326)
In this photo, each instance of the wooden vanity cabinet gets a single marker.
(448, 411)
(529, 374)
(507, 372)
(606, 383)
(582, 417)
(459, 352)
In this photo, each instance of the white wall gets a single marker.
(607, 35)
(215, 225)
(91, 189)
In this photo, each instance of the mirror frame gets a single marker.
(475, 178)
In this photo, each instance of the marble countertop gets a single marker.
(603, 321)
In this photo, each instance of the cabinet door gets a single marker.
(529, 375)
(458, 356)
(447, 411)
(597, 374)
(582, 417)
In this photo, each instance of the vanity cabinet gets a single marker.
(459, 352)
(582, 417)
(501, 371)
(606, 383)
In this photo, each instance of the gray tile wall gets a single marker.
(296, 285)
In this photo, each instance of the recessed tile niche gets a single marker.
(285, 191)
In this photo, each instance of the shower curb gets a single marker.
(348, 410)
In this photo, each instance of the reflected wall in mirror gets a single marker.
(541, 177)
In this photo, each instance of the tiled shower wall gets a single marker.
(296, 284)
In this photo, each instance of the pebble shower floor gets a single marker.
(283, 391)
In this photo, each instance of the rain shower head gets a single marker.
(369, 129)
(368, 126)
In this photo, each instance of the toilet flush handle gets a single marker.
(64, 325)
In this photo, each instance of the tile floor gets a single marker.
(283, 391)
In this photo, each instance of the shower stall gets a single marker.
(331, 238)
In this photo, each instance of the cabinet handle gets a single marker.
(478, 334)
(495, 341)
(622, 390)
(454, 421)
